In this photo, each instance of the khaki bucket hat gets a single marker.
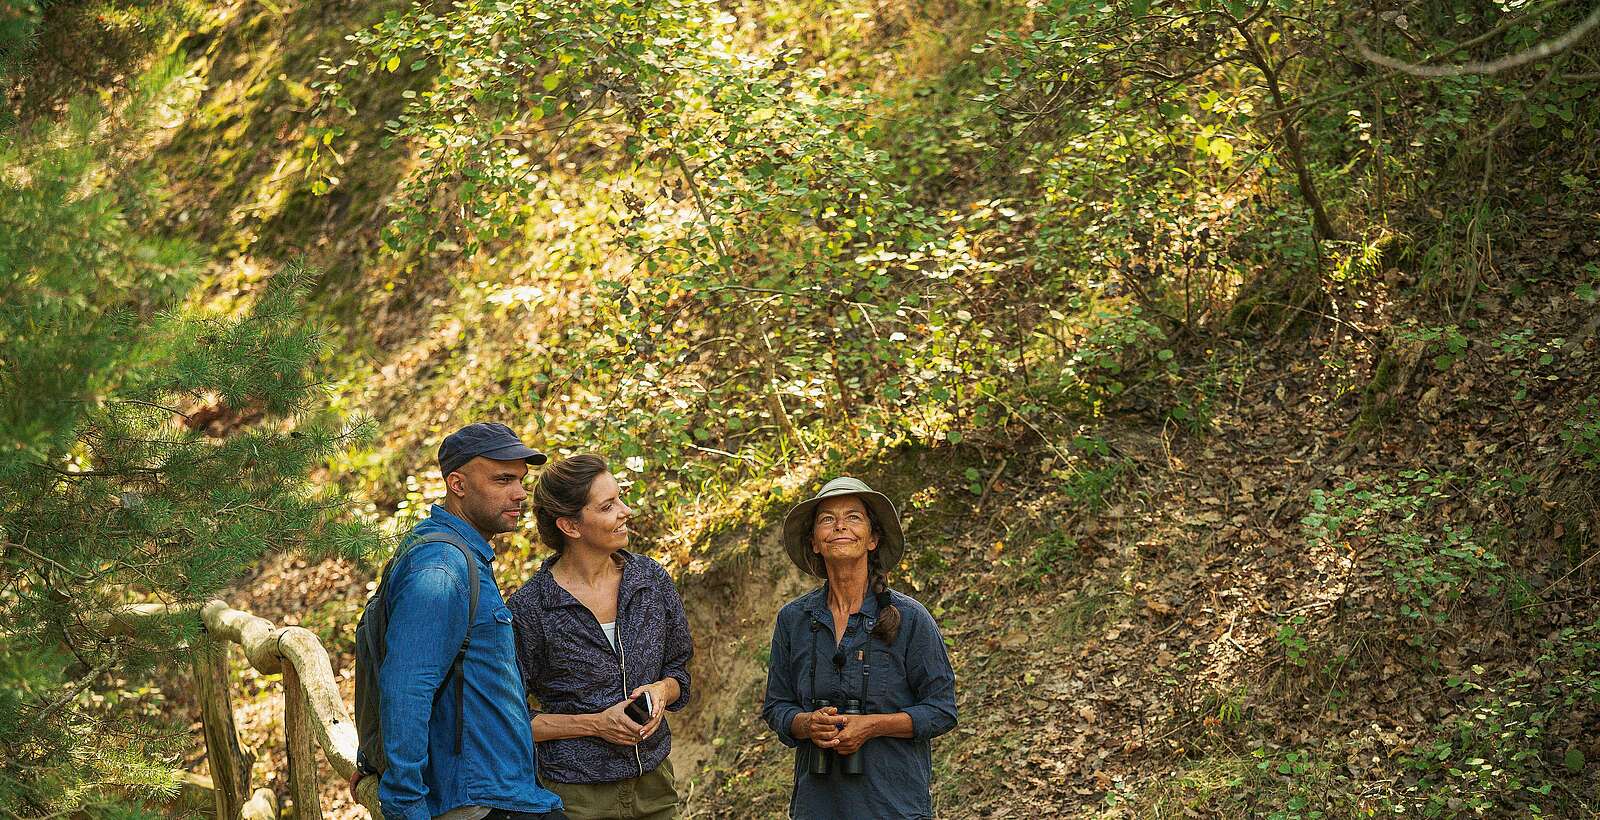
(797, 525)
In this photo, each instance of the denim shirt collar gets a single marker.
(469, 534)
(551, 595)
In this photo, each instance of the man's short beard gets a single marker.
(490, 522)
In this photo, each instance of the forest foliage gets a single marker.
(795, 257)
(114, 488)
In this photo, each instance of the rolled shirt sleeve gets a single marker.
(932, 679)
(427, 623)
(782, 701)
(677, 646)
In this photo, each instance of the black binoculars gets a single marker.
(822, 759)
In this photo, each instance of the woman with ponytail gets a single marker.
(859, 682)
(598, 628)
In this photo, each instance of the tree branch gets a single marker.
(82, 683)
(1459, 47)
(1545, 49)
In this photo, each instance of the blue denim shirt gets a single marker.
(427, 620)
(911, 675)
(571, 668)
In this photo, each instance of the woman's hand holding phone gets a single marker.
(614, 726)
(650, 697)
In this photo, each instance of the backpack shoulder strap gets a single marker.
(414, 541)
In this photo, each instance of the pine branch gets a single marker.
(80, 685)
(100, 473)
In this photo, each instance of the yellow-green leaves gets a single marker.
(1218, 148)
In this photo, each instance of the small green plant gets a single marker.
(974, 481)
(1431, 567)
(1581, 434)
(1301, 784)
(1589, 289)
(1091, 472)
(1505, 752)
(1525, 357)
(1446, 343)
(1054, 553)
(1192, 407)
(1293, 640)
(1231, 709)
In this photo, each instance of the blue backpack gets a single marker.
(372, 644)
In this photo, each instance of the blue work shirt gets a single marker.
(911, 675)
(428, 602)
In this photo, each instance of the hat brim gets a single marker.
(515, 452)
(797, 528)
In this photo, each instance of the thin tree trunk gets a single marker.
(1321, 226)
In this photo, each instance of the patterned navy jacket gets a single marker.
(570, 667)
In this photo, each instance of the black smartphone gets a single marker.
(640, 709)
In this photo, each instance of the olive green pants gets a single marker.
(653, 796)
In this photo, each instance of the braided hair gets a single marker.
(888, 626)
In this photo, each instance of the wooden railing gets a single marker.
(314, 715)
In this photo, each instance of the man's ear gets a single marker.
(456, 484)
(568, 526)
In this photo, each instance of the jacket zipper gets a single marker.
(623, 654)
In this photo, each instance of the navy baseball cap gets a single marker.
(487, 439)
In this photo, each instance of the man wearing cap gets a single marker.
(859, 681)
(466, 756)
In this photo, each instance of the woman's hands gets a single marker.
(662, 692)
(846, 734)
(821, 726)
(843, 733)
(614, 726)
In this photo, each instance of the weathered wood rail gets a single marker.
(314, 715)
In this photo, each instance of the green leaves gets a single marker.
(1574, 760)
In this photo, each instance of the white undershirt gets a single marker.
(611, 633)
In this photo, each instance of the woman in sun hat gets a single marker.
(854, 644)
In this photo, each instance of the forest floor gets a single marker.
(1175, 642)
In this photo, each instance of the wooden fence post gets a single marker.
(300, 746)
(263, 805)
(230, 763)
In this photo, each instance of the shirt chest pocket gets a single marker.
(493, 629)
(887, 690)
